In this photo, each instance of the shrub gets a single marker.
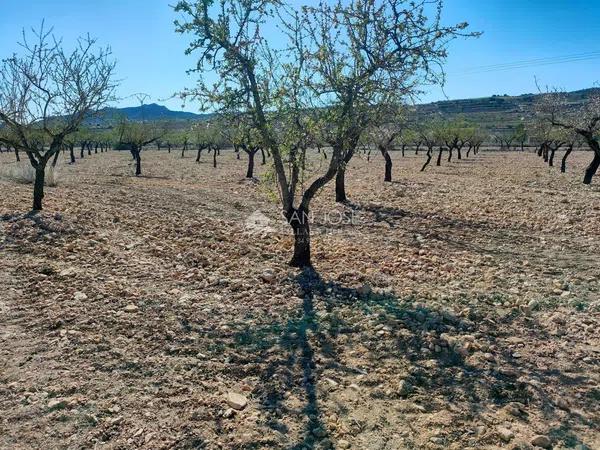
(24, 173)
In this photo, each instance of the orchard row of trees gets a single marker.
(336, 76)
(326, 73)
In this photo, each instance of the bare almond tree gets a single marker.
(384, 133)
(134, 136)
(330, 65)
(254, 80)
(46, 93)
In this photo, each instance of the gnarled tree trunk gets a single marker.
(55, 160)
(428, 160)
(551, 157)
(138, 160)
(439, 157)
(388, 163)
(299, 221)
(38, 186)
(563, 164)
(340, 185)
(593, 167)
(340, 176)
(250, 171)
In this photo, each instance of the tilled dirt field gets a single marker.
(452, 309)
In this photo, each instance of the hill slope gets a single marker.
(498, 112)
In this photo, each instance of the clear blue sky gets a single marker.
(151, 56)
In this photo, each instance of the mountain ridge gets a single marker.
(494, 112)
(150, 112)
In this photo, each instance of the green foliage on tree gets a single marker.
(318, 80)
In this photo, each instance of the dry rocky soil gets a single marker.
(453, 309)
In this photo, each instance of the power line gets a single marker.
(538, 62)
(535, 60)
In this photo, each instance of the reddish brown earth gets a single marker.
(453, 309)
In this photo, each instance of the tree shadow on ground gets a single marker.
(33, 226)
(447, 356)
(461, 234)
(148, 177)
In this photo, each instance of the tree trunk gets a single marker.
(388, 164)
(215, 157)
(428, 160)
(55, 160)
(340, 176)
(340, 185)
(459, 152)
(264, 158)
(199, 154)
(138, 162)
(250, 171)
(593, 167)
(563, 164)
(469, 150)
(17, 155)
(38, 187)
(450, 151)
(551, 157)
(72, 153)
(81, 151)
(439, 158)
(403, 148)
(299, 221)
